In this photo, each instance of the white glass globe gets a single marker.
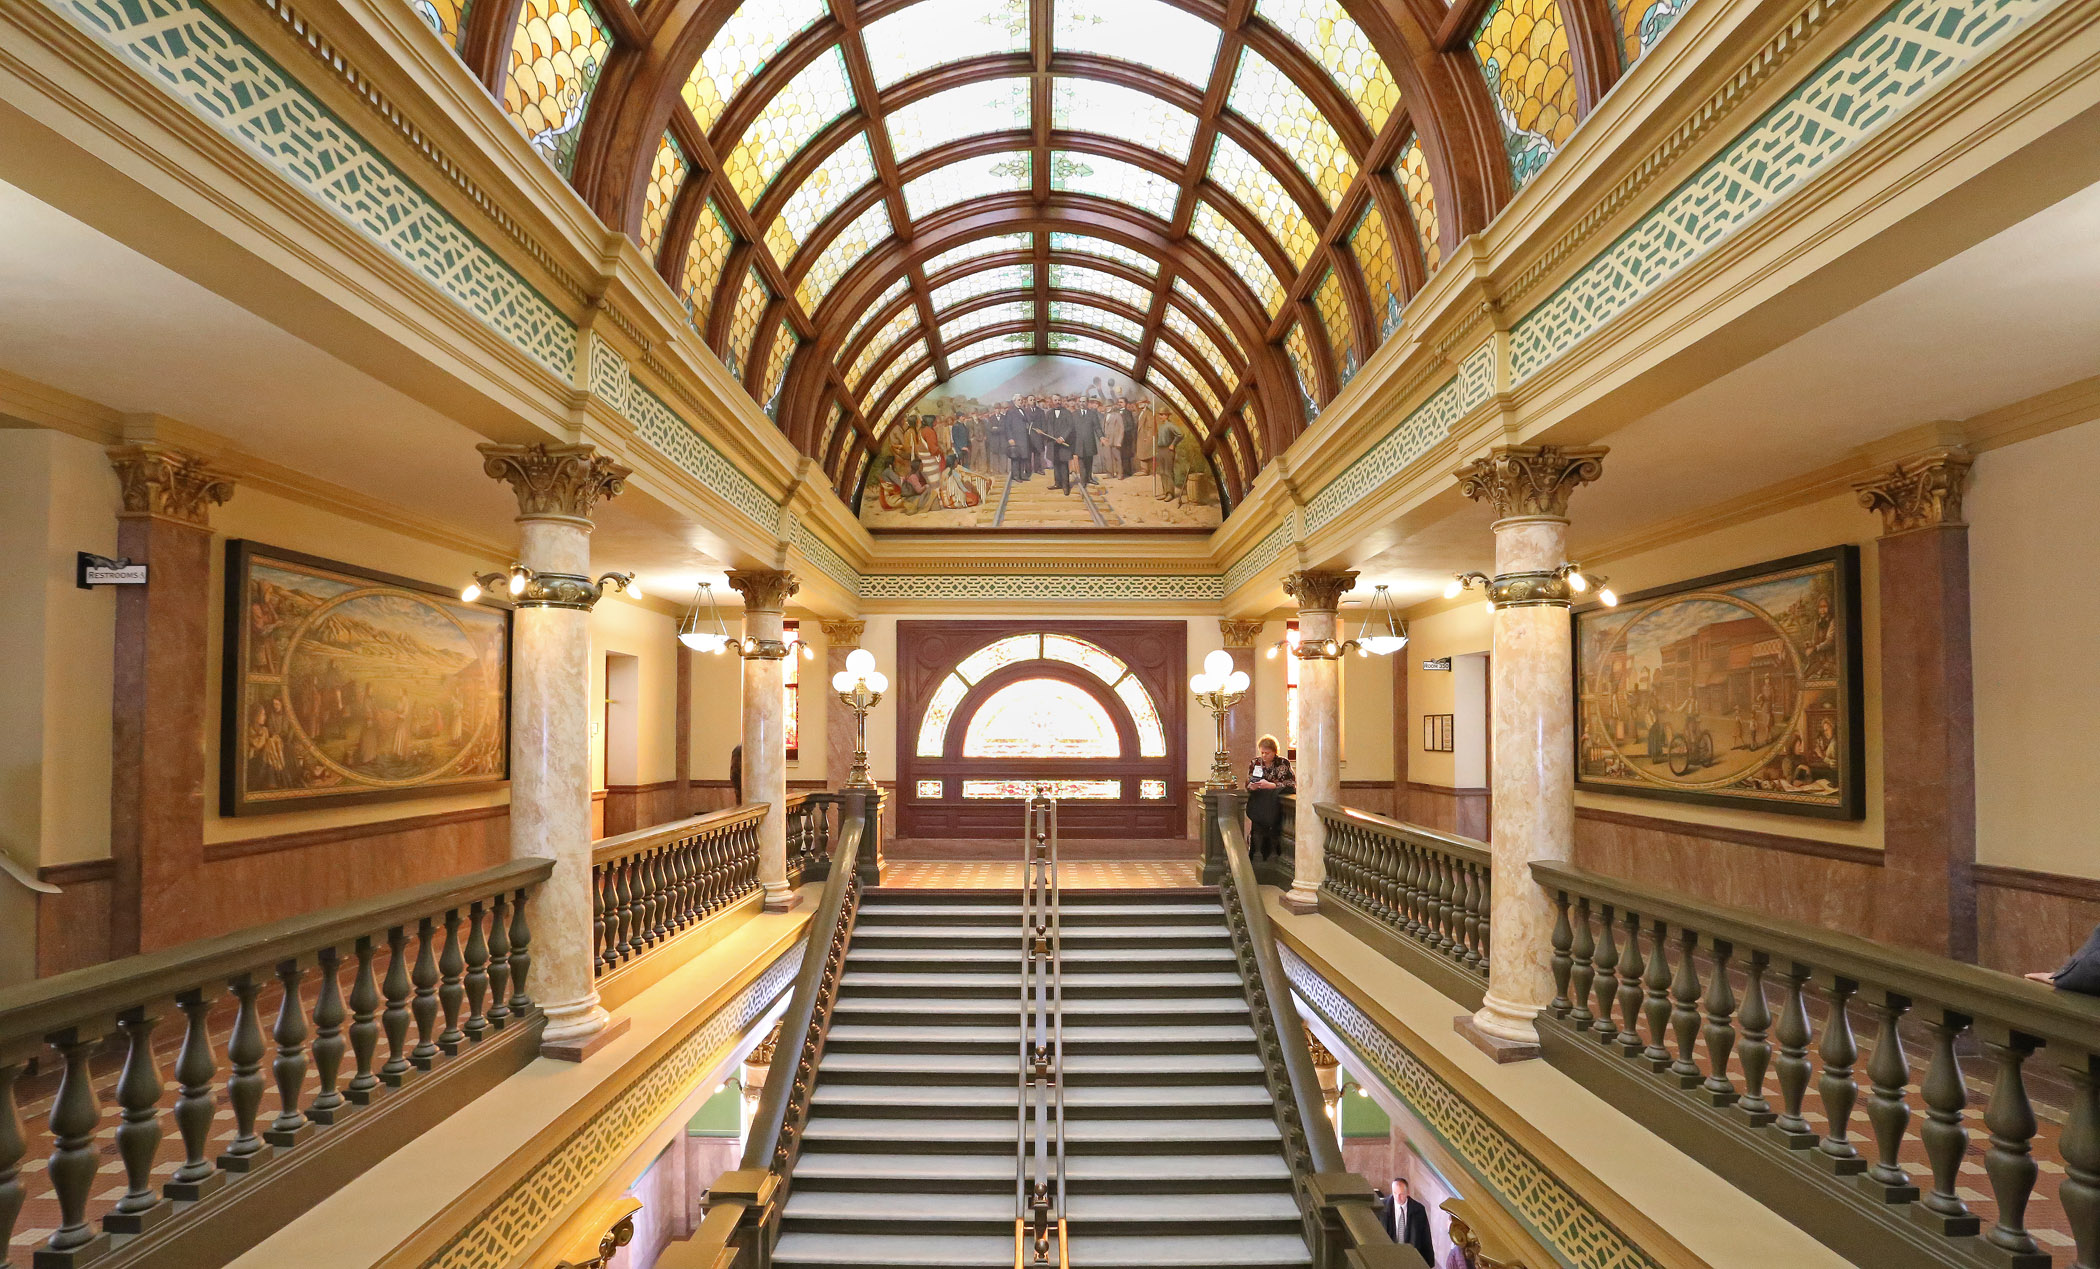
(842, 681)
(1238, 682)
(1218, 664)
(861, 662)
(877, 682)
(1202, 683)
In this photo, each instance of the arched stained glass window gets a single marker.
(1041, 718)
(1015, 649)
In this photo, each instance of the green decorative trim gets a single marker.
(204, 61)
(1574, 1231)
(1422, 430)
(611, 379)
(1260, 555)
(1073, 587)
(678, 441)
(829, 562)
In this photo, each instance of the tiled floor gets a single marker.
(1141, 874)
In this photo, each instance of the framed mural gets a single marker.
(344, 686)
(1741, 689)
(1036, 443)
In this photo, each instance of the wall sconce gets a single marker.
(529, 589)
(1525, 590)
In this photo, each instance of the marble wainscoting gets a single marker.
(634, 806)
(2031, 920)
(1466, 812)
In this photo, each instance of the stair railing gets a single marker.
(1337, 1206)
(1039, 1193)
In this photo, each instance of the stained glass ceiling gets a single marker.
(1226, 200)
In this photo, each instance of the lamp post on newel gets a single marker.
(860, 687)
(1219, 687)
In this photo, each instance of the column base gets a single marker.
(1303, 900)
(1496, 1047)
(780, 897)
(573, 1021)
(579, 1048)
(1502, 1029)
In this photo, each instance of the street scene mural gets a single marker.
(1740, 689)
(344, 686)
(1040, 443)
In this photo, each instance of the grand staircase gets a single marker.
(909, 1156)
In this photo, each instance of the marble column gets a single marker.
(156, 812)
(840, 639)
(1240, 731)
(550, 789)
(1533, 727)
(766, 593)
(1319, 761)
(1928, 788)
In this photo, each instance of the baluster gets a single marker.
(395, 1016)
(138, 1136)
(13, 1148)
(601, 927)
(1754, 1019)
(452, 987)
(1446, 905)
(1390, 897)
(2009, 1161)
(329, 1045)
(685, 855)
(1835, 1086)
(289, 1066)
(1720, 1027)
(1408, 871)
(2079, 1192)
(1483, 905)
(1461, 909)
(364, 1028)
(1607, 974)
(1655, 998)
(1584, 970)
(499, 962)
(1631, 970)
(1887, 1113)
(425, 1005)
(647, 900)
(477, 975)
(1684, 1011)
(624, 873)
(1563, 957)
(520, 956)
(244, 1085)
(1792, 1066)
(1946, 1140)
(194, 1068)
(75, 1114)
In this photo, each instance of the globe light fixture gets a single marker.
(860, 687)
(697, 637)
(1218, 687)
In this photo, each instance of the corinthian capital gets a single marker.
(1918, 493)
(554, 480)
(1318, 591)
(1531, 480)
(158, 481)
(844, 633)
(1239, 634)
(764, 590)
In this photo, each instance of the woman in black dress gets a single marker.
(1269, 777)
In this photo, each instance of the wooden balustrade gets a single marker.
(1426, 891)
(472, 962)
(810, 830)
(652, 885)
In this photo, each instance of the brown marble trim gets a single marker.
(247, 846)
(1738, 836)
(1365, 784)
(78, 873)
(2027, 879)
(1416, 786)
(631, 789)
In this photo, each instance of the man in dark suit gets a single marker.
(1013, 441)
(1038, 434)
(1406, 1220)
(1060, 427)
(959, 440)
(1086, 440)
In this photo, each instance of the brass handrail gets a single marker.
(1041, 1075)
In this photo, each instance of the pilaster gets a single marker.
(1240, 730)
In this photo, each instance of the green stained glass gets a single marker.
(997, 244)
(1092, 105)
(967, 179)
(1334, 318)
(1154, 35)
(1223, 237)
(842, 253)
(558, 50)
(1373, 248)
(1114, 354)
(1190, 330)
(843, 171)
(704, 259)
(1004, 277)
(1257, 189)
(1090, 245)
(991, 348)
(1333, 39)
(666, 174)
(1271, 101)
(994, 105)
(746, 42)
(1116, 180)
(751, 303)
(1199, 302)
(1643, 22)
(937, 32)
(1412, 171)
(818, 94)
(1074, 277)
(1099, 318)
(778, 356)
(1522, 47)
(907, 319)
(956, 331)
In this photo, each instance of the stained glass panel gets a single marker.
(1088, 657)
(1012, 344)
(1299, 349)
(1239, 455)
(1223, 237)
(993, 656)
(1185, 326)
(1068, 790)
(831, 428)
(1326, 31)
(892, 330)
(1102, 247)
(1152, 739)
(955, 331)
(1200, 302)
(1334, 318)
(445, 17)
(1413, 172)
(816, 95)
(746, 42)
(933, 789)
(743, 320)
(1257, 189)
(937, 32)
(1256, 433)
(996, 105)
(1093, 105)
(994, 245)
(908, 394)
(666, 174)
(1171, 356)
(1166, 388)
(555, 56)
(933, 728)
(1147, 32)
(1113, 354)
(1642, 22)
(1099, 318)
(1003, 277)
(1290, 689)
(1523, 51)
(842, 172)
(1373, 248)
(842, 253)
(1268, 99)
(1152, 790)
(778, 356)
(1075, 277)
(888, 297)
(1041, 718)
(1114, 179)
(904, 361)
(966, 179)
(704, 258)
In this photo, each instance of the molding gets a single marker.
(1204, 588)
(1871, 856)
(632, 789)
(2029, 881)
(79, 873)
(241, 848)
(1416, 786)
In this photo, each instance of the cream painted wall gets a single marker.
(816, 702)
(1432, 635)
(651, 637)
(1367, 716)
(2034, 610)
(718, 709)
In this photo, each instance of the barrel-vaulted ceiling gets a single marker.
(1229, 200)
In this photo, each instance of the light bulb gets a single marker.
(1272, 652)
(808, 653)
(1362, 651)
(1491, 605)
(1609, 596)
(1577, 582)
(842, 682)
(1453, 590)
(861, 662)
(517, 581)
(1238, 682)
(1218, 664)
(634, 588)
(471, 593)
(1202, 684)
(877, 682)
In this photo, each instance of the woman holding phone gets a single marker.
(1269, 777)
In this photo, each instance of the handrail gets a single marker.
(24, 877)
(653, 884)
(1428, 889)
(1469, 849)
(609, 849)
(1041, 1073)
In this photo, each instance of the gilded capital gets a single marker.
(1318, 591)
(1240, 634)
(1531, 480)
(764, 590)
(158, 481)
(1918, 493)
(844, 633)
(1321, 1057)
(551, 481)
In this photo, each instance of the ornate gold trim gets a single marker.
(1919, 493)
(1240, 634)
(843, 633)
(554, 481)
(1318, 590)
(763, 589)
(1530, 590)
(157, 481)
(1531, 480)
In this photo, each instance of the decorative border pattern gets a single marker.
(1077, 588)
(676, 439)
(1553, 1213)
(1907, 51)
(610, 377)
(519, 1222)
(829, 562)
(1260, 555)
(201, 59)
(1422, 430)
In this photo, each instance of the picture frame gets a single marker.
(1738, 689)
(1438, 733)
(342, 686)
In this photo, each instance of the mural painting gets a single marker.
(1040, 443)
(1741, 689)
(345, 686)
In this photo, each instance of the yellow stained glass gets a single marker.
(1271, 101)
(1073, 277)
(1223, 237)
(1154, 35)
(1239, 455)
(704, 258)
(743, 320)
(1299, 349)
(1334, 317)
(1090, 245)
(1090, 346)
(1003, 277)
(781, 352)
(842, 172)
(1523, 50)
(888, 297)
(1413, 171)
(818, 94)
(994, 105)
(446, 17)
(842, 253)
(904, 361)
(1257, 189)
(1181, 365)
(909, 394)
(1166, 388)
(1373, 248)
(997, 244)
(906, 319)
(1199, 302)
(1326, 31)
(666, 174)
(746, 42)
(1256, 433)
(1099, 318)
(1116, 180)
(937, 32)
(555, 56)
(957, 331)
(1187, 327)
(965, 179)
(1643, 22)
(1093, 105)
(831, 428)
